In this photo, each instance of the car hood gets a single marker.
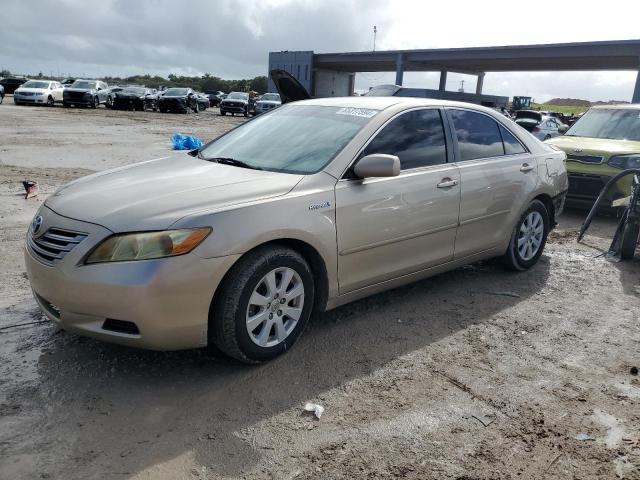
(268, 102)
(31, 90)
(234, 100)
(153, 195)
(173, 97)
(602, 146)
(289, 88)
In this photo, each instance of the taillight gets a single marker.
(535, 129)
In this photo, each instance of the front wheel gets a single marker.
(96, 102)
(50, 101)
(263, 305)
(528, 238)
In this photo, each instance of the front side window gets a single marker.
(478, 135)
(416, 138)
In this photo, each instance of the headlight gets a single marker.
(625, 161)
(147, 245)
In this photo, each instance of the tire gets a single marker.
(524, 233)
(109, 103)
(223, 113)
(196, 109)
(96, 102)
(228, 330)
(629, 241)
(246, 112)
(50, 101)
(546, 137)
(66, 105)
(1, 99)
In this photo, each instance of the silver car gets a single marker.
(539, 124)
(267, 102)
(308, 207)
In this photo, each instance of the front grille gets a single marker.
(74, 95)
(584, 185)
(54, 244)
(26, 94)
(585, 158)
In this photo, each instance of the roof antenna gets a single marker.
(375, 31)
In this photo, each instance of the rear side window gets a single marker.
(511, 144)
(478, 135)
(416, 137)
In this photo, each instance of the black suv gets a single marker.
(182, 100)
(11, 84)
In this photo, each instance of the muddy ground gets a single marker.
(479, 373)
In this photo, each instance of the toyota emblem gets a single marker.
(36, 224)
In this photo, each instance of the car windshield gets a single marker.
(291, 139)
(610, 123)
(176, 92)
(238, 95)
(271, 97)
(35, 84)
(134, 90)
(84, 84)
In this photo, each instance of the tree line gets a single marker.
(206, 82)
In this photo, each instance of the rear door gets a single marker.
(389, 227)
(497, 175)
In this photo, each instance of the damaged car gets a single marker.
(135, 98)
(182, 100)
(86, 93)
(234, 245)
(267, 102)
(38, 92)
(236, 102)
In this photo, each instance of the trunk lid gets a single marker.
(289, 88)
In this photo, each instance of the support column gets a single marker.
(636, 90)
(399, 68)
(480, 83)
(443, 81)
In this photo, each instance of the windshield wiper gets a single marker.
(234, 162)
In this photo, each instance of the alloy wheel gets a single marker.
(275, 306)
(530, 235)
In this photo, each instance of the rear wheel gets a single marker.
(263, 305)
(528, 238)
(50, 101)
(629, 241)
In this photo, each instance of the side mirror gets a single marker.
(377, 165)
(563, 129)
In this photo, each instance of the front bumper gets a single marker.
(127, 103)
(232, 108)
(173, 105)
(166, 299)
(35, 99)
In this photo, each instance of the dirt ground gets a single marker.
(475, 374)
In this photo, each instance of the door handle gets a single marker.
(447, 183)
(526, 168)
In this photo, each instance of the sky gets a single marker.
(231, 39)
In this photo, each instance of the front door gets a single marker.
(389, 227)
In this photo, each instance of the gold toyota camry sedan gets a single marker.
(310, 206)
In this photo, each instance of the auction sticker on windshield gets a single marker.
(357, 112)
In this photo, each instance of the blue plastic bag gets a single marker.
(185, 142)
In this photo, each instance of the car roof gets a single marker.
(381, 103)
(634, 106)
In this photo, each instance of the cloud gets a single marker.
(231, 39)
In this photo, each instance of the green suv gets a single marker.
(605, 141)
